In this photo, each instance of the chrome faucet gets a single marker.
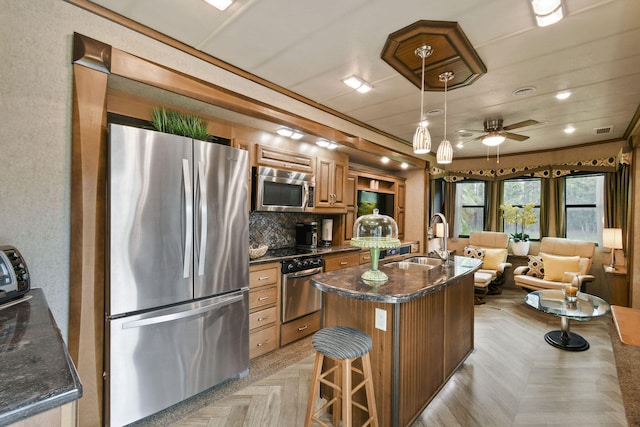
(444, 252)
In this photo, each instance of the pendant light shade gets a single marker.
(422, 137)
(445, 152)
(444, 155)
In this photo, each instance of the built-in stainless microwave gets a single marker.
(278, 190)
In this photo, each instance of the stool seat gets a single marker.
(341, 342)
(342, 345)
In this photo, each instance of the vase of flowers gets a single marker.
(522, 217)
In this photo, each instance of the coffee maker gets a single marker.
(307, 234)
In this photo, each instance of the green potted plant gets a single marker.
(522, 217)
(177, 123)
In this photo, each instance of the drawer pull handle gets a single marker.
(260, 344)
(262, 298)
(260, 319)
(302, 328)
(344, 263)
(263, 277)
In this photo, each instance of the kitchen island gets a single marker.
(420, 321)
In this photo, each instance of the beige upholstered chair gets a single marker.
(493, 251)
(556, 256)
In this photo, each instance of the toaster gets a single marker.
(14, 275)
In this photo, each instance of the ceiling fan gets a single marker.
(496, 133)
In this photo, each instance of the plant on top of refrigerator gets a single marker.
(177, 123)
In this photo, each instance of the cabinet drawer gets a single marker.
(343, 261)
(269, 156)
(365, 257)
(263, 277)
(262, 317)
(262, 341)
(300, 328)
(263, 297)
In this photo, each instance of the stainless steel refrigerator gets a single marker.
(177, 318)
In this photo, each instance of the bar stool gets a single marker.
(343, 345)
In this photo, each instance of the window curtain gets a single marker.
(617, 200)
(450, 206)
(558, 185)
(545, 206)
(490, 205)
(499, 196)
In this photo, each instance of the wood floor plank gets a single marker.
(513, 378)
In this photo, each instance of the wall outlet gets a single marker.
(381, 319)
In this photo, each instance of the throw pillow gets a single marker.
(493, 257)
(536, 266)
(476, 253)
(555, 266)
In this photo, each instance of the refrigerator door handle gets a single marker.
(183, 314)
(203, 220)
(188, 207)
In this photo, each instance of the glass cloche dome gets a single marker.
(375, 232)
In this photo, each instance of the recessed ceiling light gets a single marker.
(296, 135)
(384, 159)
(460, 144)
(524, 91)
(358, 84)
(404, 165)
(324, 143)
(569, 129)
(332, 146)
(286, 132)
(563, 95)
(220, 4)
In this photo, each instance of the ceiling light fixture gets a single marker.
(445, 150)
(358, 84)
(384, 159)
(296, 135)
(569, 129)
(324, 143)
(422, 137)
(220, 4)
(547, 11)
(493, 138)
(286, 132)
(563, 95)
(404, 165)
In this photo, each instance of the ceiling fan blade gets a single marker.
(478, 138)
(529, 122)
(515, 136)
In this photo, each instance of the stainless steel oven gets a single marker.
(299, 297)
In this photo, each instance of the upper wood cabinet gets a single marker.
(282, 159)
(331, 183)
(400, 207)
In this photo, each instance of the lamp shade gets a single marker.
(612, 238)
(444, 154)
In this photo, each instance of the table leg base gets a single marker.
(572, 342)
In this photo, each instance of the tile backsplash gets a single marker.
(277, 230)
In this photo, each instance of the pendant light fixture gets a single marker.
(445, 150)
(422, 137)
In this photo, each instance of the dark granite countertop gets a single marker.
(403, 284)
(36, 372)
(277, 255)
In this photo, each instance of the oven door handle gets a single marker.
(304, 273)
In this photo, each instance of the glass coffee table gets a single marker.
(584, 308)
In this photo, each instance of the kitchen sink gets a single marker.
(416, 263)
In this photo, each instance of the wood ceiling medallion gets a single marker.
(452, 51)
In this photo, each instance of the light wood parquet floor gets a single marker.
(513, 378)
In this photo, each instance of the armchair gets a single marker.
(492, 248)
(556, 256)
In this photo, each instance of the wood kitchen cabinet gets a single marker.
(283, 159)
(400, 207)
(264, 308)
(331, 183)
(341, 260)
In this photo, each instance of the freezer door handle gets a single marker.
(182, 314)
(188, 207)
(203, 220)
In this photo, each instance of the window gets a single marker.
(470, 201)
(584, 207)
(520, 192)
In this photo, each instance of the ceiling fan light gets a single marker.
(493, 139)
(445, 152)
(421, 140)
